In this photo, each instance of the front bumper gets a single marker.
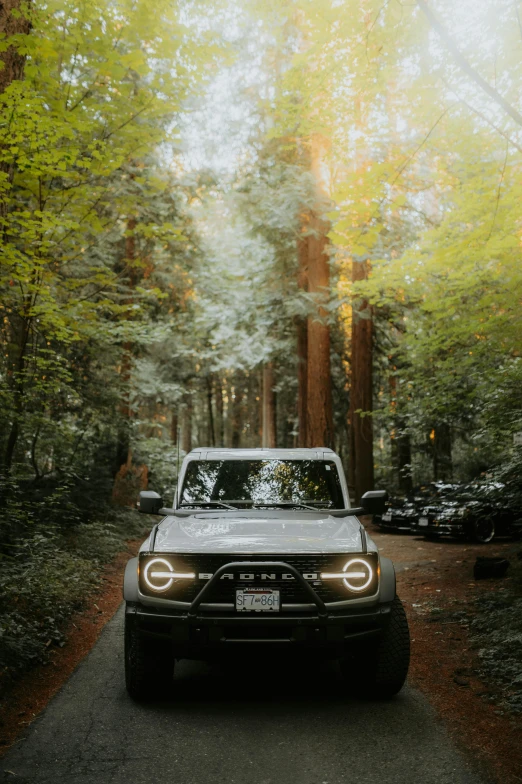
(402, 524)
(205, 634)
(441, 528)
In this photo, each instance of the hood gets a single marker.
(258, 532)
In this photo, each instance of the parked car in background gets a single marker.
(398, 515)
(478, 511)
(402, 512)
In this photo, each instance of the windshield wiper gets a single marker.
(299, 504)
(202, 504)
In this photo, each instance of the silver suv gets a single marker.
(261, 552)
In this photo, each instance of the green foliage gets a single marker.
(94, 238)
(51, 558)
(88, 216)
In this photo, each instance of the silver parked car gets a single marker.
(262, 554)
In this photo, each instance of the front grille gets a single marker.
(292, 592)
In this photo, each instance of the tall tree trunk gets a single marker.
(400, 441)
(237, 411)
(302, 343)
(401, 457)
(220, 424)
(253, 409)
(17, 24)
(404, 459)
(211, 428)
(174, 425)
(361, 390)
(130, 478)
(186, 428)
(269, 407)
(319, 427)
(351, 452)
(123, 443)
(18, 360)
(260, 406)
(12, 69)
(16, 381)
(227, 405)
(302, 381)
(440, 438)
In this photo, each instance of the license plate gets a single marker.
(387, 517)
(423, 521)
(257, 600)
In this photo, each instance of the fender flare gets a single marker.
(387, 588)
(130, 581)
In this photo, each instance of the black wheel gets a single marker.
(383, 670)
(149, 664)
(483, 530)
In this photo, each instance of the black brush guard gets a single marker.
(235, 566)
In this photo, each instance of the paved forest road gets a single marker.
(221, 729)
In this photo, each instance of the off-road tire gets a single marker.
(392, 660)
(483, 531)
(149, 664)
(383, 669)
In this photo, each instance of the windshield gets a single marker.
(262, 482)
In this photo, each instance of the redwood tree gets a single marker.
(319, 419)
(16, 23)
(187, 415)
(302, 343)
(319, 425)
(361, 398)
(269, 407)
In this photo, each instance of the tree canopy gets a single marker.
(257, 223)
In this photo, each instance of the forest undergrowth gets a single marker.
(493, 621)
(49, 570)
(496, 635)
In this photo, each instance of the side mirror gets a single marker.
(150, 502)
(373, 502)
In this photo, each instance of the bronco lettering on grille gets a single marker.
(262, 576)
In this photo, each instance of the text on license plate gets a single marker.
(257, 600)
(423, 521)
(387, 516)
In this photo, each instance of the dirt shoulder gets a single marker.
(436, 584)
(22, 703)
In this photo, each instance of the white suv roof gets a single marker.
(219, 453)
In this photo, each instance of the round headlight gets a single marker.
(158, 574)
(358, 574)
